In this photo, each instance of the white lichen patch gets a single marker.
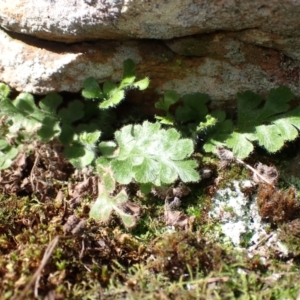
(238, 222)
(237, 214)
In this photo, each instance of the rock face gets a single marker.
(76, 21)
(217, 47)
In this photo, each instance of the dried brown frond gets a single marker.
(79, 190)
(179, 219)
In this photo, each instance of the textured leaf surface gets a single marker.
(170, 97)
(149, 154)
(142, 84)
(105, 172)
(235, 141)
(89, 138)
(91, 89)
(108, 148)
(105, 204)
(79, 156)
(72, 113)
(113, 100)
(268, 123)
(269, 137)
(50, 103)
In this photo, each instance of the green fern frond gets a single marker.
(106, 204)
(111, 94)
(269, 124)
(148, 154)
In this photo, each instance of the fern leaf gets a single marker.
(277, 102)
(166, 120)
(105, 172)
(102, 208)
(50, 103)
(72, 113)
(142, 84)
(122, 170)
(7, 154)
(148, 154)
(91, 89)
(269, 124)
(286, 128)
(186, 170)
(170, 97)
(240, 145)
(218, 134)
(113, 100)
(127, 219)
(128, 73)
(79, 156)
(106, 204)
(49, 128)
(108, 148)
(109, 88)
(193, 108)
(269, 137)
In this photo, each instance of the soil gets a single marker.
(51, 249)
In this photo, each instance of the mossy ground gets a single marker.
(151, 261)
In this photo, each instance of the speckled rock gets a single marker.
(74, 21)
(217, 64)
(219, 47)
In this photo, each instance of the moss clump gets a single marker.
(278, 206)
(177, 253)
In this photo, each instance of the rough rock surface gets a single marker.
(223, 46)
(216, 64)
(81, 20)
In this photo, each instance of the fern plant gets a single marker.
(149, 155)
(107, 203)
(111, 94)
(78, 126)
(28, 121)
(268, 124)
(191, 116)
(146, 153)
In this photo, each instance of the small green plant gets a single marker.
(145, 154)
(111, 94)
(78, 126)
(26, 122)
(268, 124)
(170, 97)
(149, 155)
(106, 203)
(191, 117)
